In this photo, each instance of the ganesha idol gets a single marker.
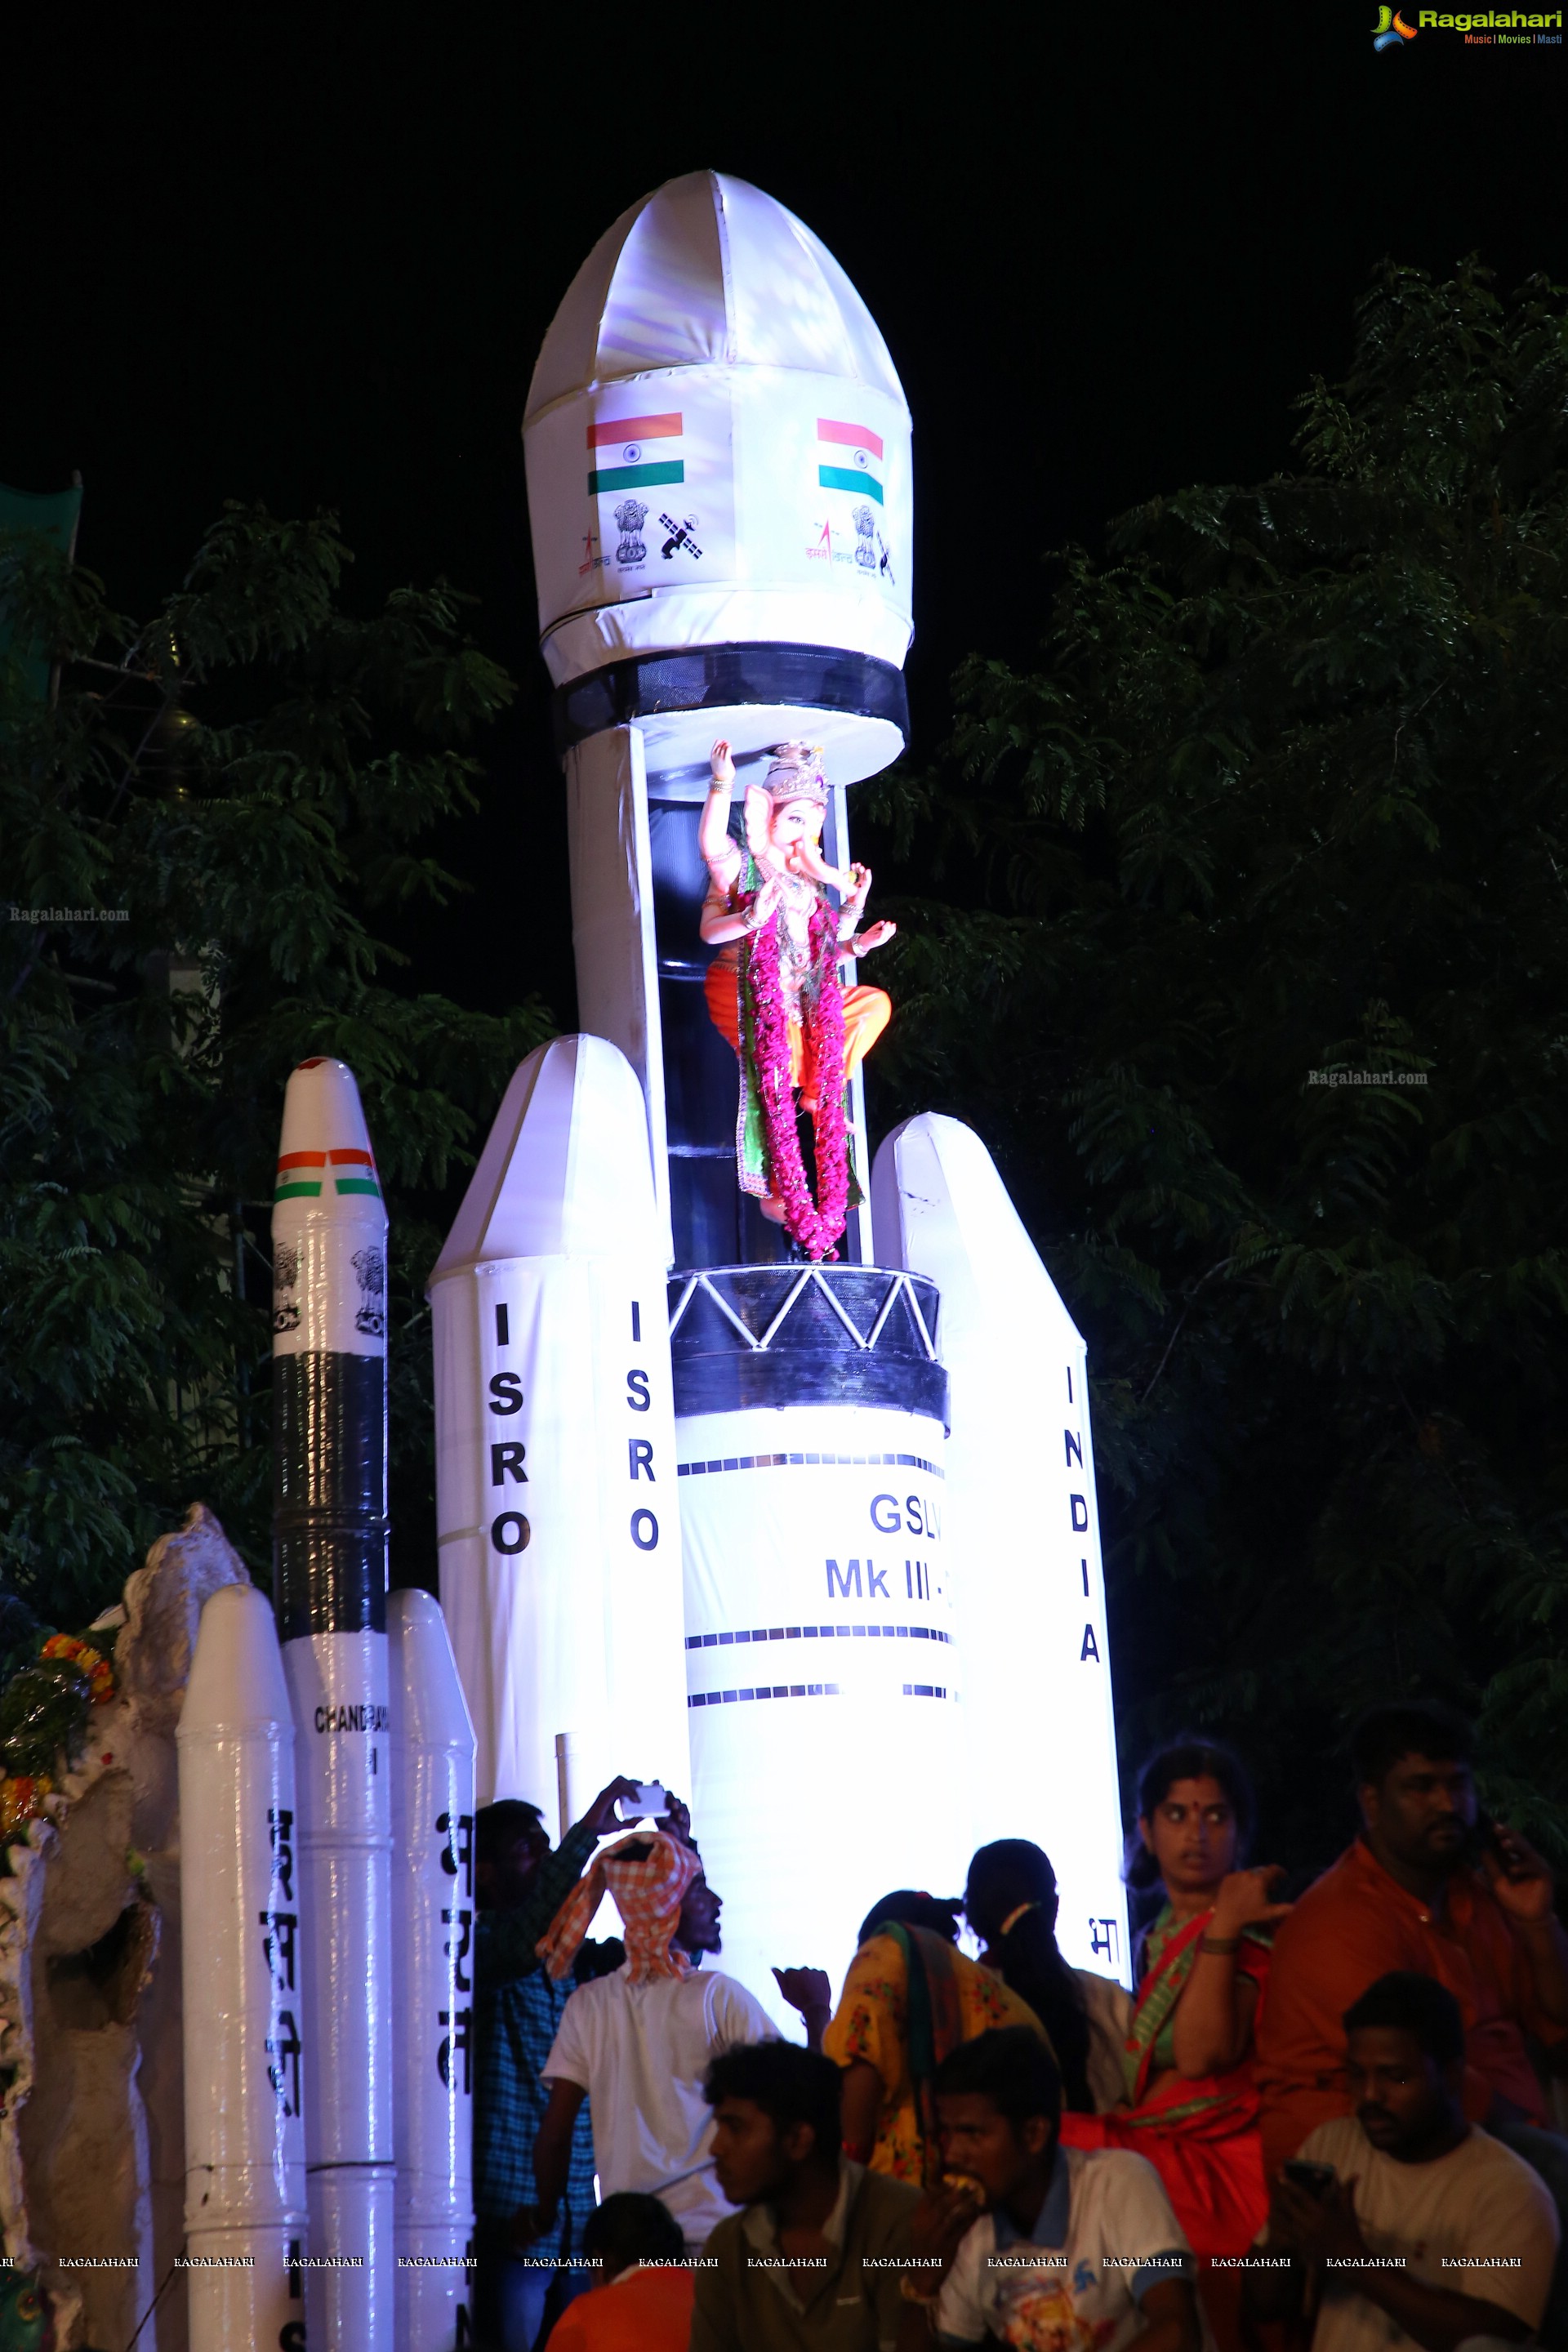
(774, 988)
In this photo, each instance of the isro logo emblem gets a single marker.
(1391, 30)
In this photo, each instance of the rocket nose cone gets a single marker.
(326, 1163)
(237, 1675)
(938, 1206)
(708, 268)
(566, 1170)
(321, 1108)
(428, 1702)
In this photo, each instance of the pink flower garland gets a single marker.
(816, 1225)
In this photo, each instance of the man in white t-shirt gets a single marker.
(1408, 2227)
(635, 2045)
(1032, 2244)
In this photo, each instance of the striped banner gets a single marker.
(628, 438)
(301, 1175)
(863, 449)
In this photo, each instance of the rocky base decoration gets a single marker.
(92, 2085)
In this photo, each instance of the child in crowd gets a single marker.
(643, 2300)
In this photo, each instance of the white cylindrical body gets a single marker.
(1024, 1525)
(245, 2048)
(432, 1975)
(329, 1235)
(824, 1677)
(556, 1496)
(338, 1686)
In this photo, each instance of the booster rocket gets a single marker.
(555, 1457)
(432, 1974)
(1022, 1514)
(330, 1537)
(241, 1896)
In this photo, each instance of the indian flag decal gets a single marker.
(302, 1175)
(638, 453)
(855, 452)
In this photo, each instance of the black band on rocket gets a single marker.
(329, 1494)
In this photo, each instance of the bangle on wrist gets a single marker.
(1223, 1945)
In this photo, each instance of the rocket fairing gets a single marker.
(246, 2054)
(330, 1533)
(1023, 1522)
(718, 454)
(432, 1975)
(555, 1460)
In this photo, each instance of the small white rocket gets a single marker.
(245, 2056)
(329, 1245)
(432, 1974)
(1023, 1524)
(555, 1468)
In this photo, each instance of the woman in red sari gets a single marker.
(1202, 1969)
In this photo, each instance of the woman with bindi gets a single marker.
(1189, 2102)
(773, 990)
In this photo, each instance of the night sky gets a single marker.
(307, 258)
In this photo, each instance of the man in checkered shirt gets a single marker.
(521, 1883)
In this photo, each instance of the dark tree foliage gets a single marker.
(233, 793)
(1252, 962)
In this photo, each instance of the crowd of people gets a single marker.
(1326, 2123)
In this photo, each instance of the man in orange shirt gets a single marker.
(1409, 1895)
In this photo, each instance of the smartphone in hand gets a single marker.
(647, 1802)
(1317, 2180)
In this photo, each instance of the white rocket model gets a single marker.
(719, 491)
(329, 1245)
(432, 1975)
(1022, 1519)
(555, 1467)
(245, 2051)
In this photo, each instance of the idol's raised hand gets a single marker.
(721, 763)
(875, 934)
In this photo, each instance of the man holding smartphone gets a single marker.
(1405, 2224)
(1427, 1886)
(520, 1882)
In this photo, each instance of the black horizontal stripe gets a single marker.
(801, 1690)
(763, 1690)
(816, 1633)
(810, 1462)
